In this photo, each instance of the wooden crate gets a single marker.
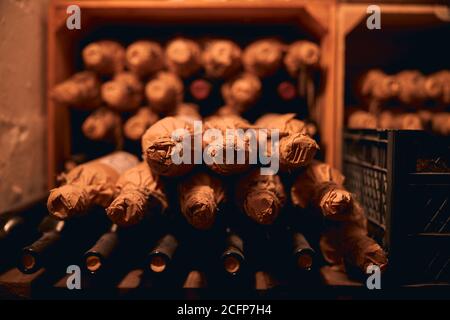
(412, 36)
(316, 18)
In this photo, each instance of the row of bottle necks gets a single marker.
(158, 246)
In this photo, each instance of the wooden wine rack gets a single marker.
(316, 18)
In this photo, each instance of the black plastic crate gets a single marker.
(402, 179)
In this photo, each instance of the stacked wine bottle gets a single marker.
(227, 211)
(408, 100)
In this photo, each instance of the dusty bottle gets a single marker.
(101, 252)
(221, 58)
(161, 255)
(81, 90)
(411, 87)
(183, 57)
(296, 147)
(347, 242)
(144, 58)
(34, 256)
(164, 92)
(226, 142)
(362, 120)
(163, 139)
(375, 87)
(260, 197)
(124, 92)
(187, 111)
(139, 193)
(89, 184)
(263, 57)
(105, 57)
(321, 187)
(135, 127)
(200, 196)
(301, 55)
(302, 252)
(437, 87)
(242, 91)
(103, 125)
(440, 123)
(233, 257)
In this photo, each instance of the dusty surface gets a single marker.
(22, 107)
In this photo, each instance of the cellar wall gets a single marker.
(22, 108)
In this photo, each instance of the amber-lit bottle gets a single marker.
(233, 257)
(160, 258)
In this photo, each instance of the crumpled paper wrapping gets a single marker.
(81, 91)
(239, 144)
(183, 57)
(89, 184)
(321, 187)
(296, 147)
(301, 55)
(103, 125)
(164, 91)
(242, 91)
(135, 127)
(200, 196)
(260, 197)
(105, 57)
(158, 145)
(362, 120)
(411, 87)
(124, 92)
(187, 111)
(140, 192)
(437, 86)
(221, 58)
(263, 57)
(347, 243)
(144, 58)
(376, 85)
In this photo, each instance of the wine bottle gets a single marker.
(263, 57)
(140, 193)
(81, 91)
(412, 90)
(375, 87)
(144, 58)
(242, 91)
(233, 256)
(161, 255)
(89, 184)
(103, 125)
(362, 120)
(187, 111)
(221, 58)
(124, 92)
(347, 241)
(321, 187)
(228, 142)
(302, 252)
(36, 255)
(200, 196)
(296, 147)
(440, 123)
(105, 57)
(137, 124)
(164, 91)
(159, 141)
(437, 87)
(102, 251)
(260, 197)
(183, 57)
